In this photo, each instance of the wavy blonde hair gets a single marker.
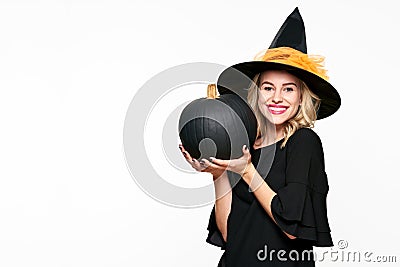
(304, 118)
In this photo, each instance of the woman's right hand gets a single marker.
(202, 165)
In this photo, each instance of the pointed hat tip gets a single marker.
(296, 14)
(292, 33)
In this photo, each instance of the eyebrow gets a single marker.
(290, 83)
(285, 84)
(266, 82)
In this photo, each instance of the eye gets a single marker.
(289, 89)
(268, 88)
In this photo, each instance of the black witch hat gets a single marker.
(288, 51)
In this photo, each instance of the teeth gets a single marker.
(277, 109)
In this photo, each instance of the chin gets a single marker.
(279, 120)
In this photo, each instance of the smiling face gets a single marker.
(279, 96)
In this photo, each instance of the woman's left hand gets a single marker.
(239, 165)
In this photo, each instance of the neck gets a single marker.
(280, 129)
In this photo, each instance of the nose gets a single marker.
(277, 97)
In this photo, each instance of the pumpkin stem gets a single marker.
(211, 91)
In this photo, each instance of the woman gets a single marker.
(276, 212)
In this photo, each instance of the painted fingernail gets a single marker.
(211, 159)
(193, 160)
(245, 147)
(202, 162)
(180, 147)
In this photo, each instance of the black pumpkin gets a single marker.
(217, 126)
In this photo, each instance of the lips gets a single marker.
(277, 109)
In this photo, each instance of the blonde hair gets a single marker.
(304, 118)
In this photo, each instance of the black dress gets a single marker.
(297, 174)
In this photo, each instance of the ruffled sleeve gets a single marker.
(214, 235)
(299, 208)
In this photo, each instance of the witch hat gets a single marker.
(288, 51)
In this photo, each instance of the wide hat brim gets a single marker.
(238, 78)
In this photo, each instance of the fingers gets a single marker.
(192, 161)
(181, 147)
(186, 154)
(215, 165)
(203, 165)
(196, 165)
(246, 152)
(208, 166)
(220, 162)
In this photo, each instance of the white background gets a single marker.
(68, 71)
